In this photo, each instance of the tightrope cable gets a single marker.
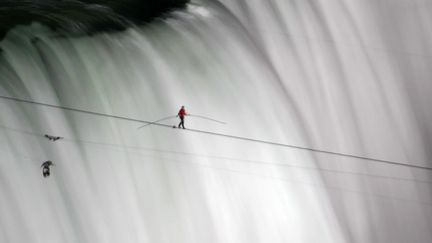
(154, 122)
(221, 134)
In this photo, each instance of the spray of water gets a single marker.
(327, 77)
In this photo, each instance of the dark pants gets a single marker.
(181, 122)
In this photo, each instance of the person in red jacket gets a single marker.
(181, 114)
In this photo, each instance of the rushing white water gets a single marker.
(350, 77)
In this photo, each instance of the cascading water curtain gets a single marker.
(309, 123)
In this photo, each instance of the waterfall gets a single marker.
(326, 133)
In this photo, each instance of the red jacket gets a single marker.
(182, 112)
